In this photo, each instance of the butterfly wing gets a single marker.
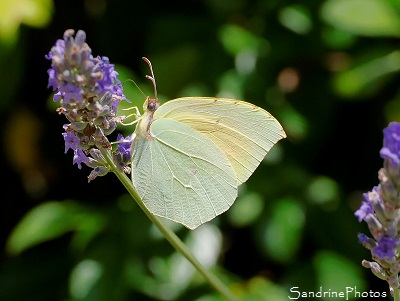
(243, 131)
(182, 175)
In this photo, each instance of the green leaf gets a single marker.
(336, 272)
(247, 209)
(362, 17)
(84, 277)
(296, 18)
(337, 38)
(282, 234)
(296, 125)
(171, 276)
(13, 13)
(50, 220)
(324, 191)
(237, 40)
(260, 288)
(366, 78)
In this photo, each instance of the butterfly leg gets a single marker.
(136, 115)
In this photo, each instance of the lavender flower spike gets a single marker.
(381, 211)
(89, 93)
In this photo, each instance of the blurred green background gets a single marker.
(327, 70)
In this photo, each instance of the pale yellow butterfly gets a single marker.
(190, 154)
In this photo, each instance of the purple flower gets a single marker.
(125, 147)
(71, 141)
(69, 92)
(52, 79)
(366, 241)
(118, 91)
(98, 171)
(58, 49)
(365, 209)
(362, 238)
(386, 247)
(89, 93)
(391, 143)
(122, 156)
(380, 211)
(79, 157)
(106, 82)
(75, 72)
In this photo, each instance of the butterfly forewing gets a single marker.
(243, 131)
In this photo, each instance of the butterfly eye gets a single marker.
(152, 104)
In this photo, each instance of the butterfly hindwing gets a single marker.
(180, 174)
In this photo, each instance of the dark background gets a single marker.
(327, 70)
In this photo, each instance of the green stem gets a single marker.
(168, 233)
(396, 294)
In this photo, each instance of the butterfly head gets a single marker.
(151, 105)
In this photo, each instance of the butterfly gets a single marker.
(190, 154)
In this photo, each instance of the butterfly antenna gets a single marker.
(131, 80)
(152, 78)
